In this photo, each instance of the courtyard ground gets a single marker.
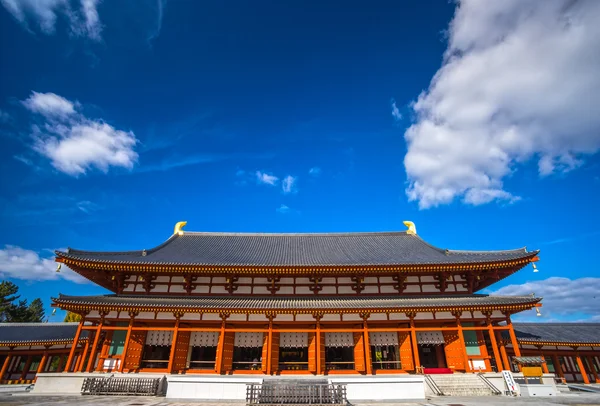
(575, 399)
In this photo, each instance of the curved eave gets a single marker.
(82, 306)
(559, 343)
(39, 342)
(175, 267)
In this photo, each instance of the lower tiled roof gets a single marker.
(290, 304)
(558, 332)
(23, 333)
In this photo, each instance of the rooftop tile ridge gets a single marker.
(72, 251)
(38, 324)
(483, 252)
(318, 234)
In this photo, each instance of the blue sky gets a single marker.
(118, 121)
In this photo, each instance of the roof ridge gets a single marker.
(318, 234)
(56, 323)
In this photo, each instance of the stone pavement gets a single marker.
(29, 399)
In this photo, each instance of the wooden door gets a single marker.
(312, 352)
(182, 346)
(455, 355)
(405, 348)
(275, 353)
(135, 348)
(322, 353)
(359, 352)
(228, 341)
(265, 353)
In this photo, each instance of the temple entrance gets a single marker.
(339, 351)
(247, 351)
(385, 353)
(432, 356)
(293, 351)
(431, 349)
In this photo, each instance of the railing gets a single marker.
(121, 386)
(387, 365)
(155, 363)
(339, 365)
(296, 394)
(247, 365)
(293, 366)
(490, 385)
(202, 364)
(433, 386)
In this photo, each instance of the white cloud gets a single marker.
(49, 105)
(283, 209)
(20, 263)
(288, 185)
(563, 298)
(74, 143)
(83, 21)
(265, 178)
(314, 171)
(519, 81)
(4, 116)
(395, 111)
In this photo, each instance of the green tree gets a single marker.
(13, 310)
(8, 294)
(70, 317)
(36, 310)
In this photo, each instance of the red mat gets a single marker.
(432, 371)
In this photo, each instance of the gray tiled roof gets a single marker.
(294, 303)
(558, 332)
(37, 332)
(237, 249)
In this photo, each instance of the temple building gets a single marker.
(332, 304)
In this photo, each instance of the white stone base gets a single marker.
(69, 383)
(233, 388)
(376, 388)
(209, 387)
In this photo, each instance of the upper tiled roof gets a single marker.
(341, 249)
(243, 304)
(558, 332)
(11, 333)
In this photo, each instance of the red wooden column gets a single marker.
(26, 367)
(270, 351)
(513, 337)
(174, 342)
(461, 337)
(503, 351)
(493, 342)
(83, 355)
(413, 340)
(43, 362)
(74, 345)
(544, 364)
(584, 375)
(5, 366)
(127, 338)
(92, 359)
(590, 361)
(220, 346)
(557, 367)
(368, 364)
(318, 350)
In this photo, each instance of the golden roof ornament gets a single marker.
(412, 229)
(178, 227)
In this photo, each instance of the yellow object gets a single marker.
(411, 227)
(532, 371)
(178, 227)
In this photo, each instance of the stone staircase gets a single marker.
(462, 385)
